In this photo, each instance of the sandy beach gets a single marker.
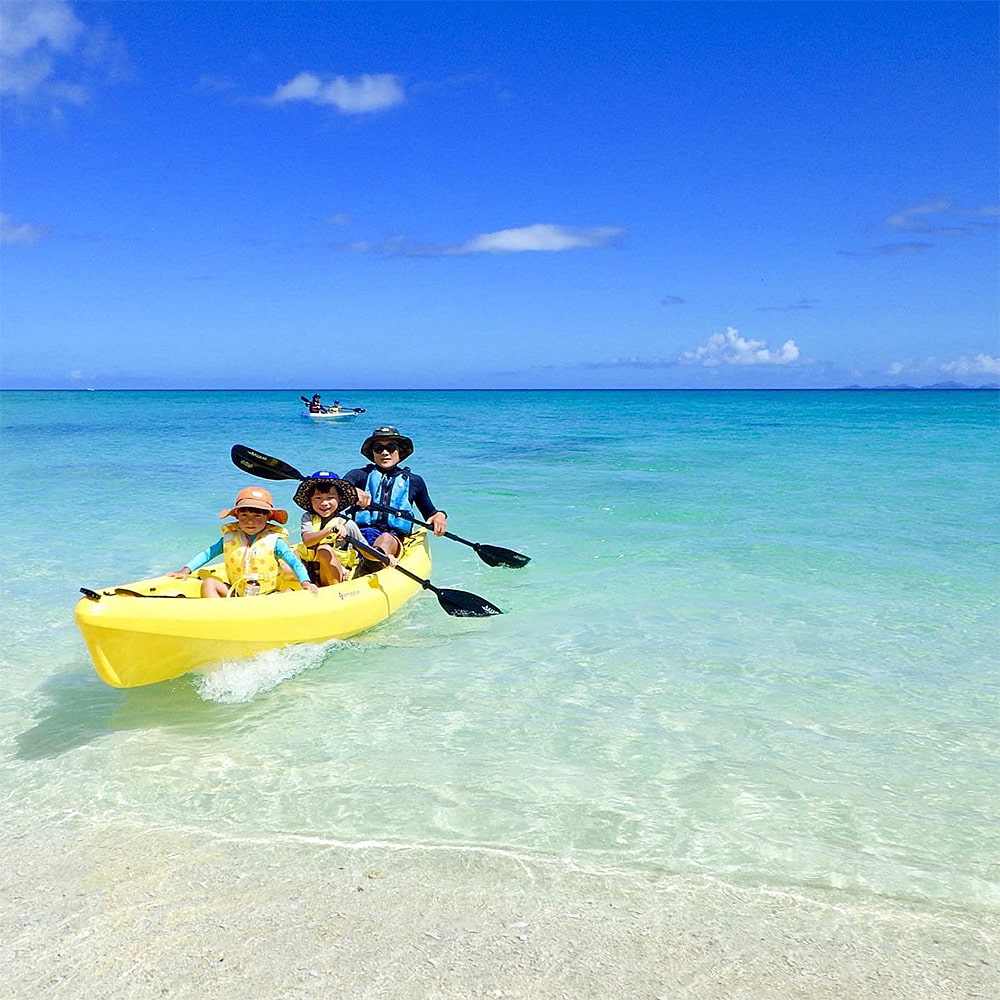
(128, 913)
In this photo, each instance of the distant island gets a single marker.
(918, 388)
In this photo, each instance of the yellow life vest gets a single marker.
(244, 559)
(347, 556)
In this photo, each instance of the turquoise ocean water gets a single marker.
(757, 641)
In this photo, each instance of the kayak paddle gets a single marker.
(265, 467)
(262, 466)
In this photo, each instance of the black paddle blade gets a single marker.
(494, 555)
(462, 604)
(261, 465)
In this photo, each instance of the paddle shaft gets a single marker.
(384, 559)
(416, 520)
(507, 557)
(453, 602)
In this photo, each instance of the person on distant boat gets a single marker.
(390, 484)
(253, 549)
(326, 533)
(315, 406)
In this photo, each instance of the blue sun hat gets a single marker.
(347, 493)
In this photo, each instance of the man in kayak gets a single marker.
(315, 406)
(390, 484)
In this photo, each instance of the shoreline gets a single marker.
(125, 912)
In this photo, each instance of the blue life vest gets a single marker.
(389, 491)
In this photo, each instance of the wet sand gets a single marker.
(131, 913)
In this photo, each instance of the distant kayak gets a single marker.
(316, 411)
(332, 414)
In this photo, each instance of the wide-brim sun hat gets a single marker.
(255, 496)
(345, 490)
(387, 434)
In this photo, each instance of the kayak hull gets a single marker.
(155, 636)
(336, 415)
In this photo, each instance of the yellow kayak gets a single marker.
(154, 630)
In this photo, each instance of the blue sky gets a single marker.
(347, 195)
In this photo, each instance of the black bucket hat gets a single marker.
(389, 434)
(347, 493)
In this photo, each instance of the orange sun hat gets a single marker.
(254, 496)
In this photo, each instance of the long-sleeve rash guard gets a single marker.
(281, 550)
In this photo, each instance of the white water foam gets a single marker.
(235, 682)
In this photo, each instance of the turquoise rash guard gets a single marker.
(281, 550)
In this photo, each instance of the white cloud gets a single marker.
(911, 218)
(730, 348)
(981, 364)
(214, 84)
(48, 56)
(364, 94)
(32, 34)
(541, 237)
(939, 218)
(19, 234)
(913, 248)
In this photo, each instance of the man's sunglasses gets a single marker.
(387, 446)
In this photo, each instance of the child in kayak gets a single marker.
(325, 535)
(253, 548)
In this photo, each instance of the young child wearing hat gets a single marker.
(324, 533)
(253, 549)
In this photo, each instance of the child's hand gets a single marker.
(311, 587)
(180, 574)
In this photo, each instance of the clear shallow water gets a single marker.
(757, 640)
